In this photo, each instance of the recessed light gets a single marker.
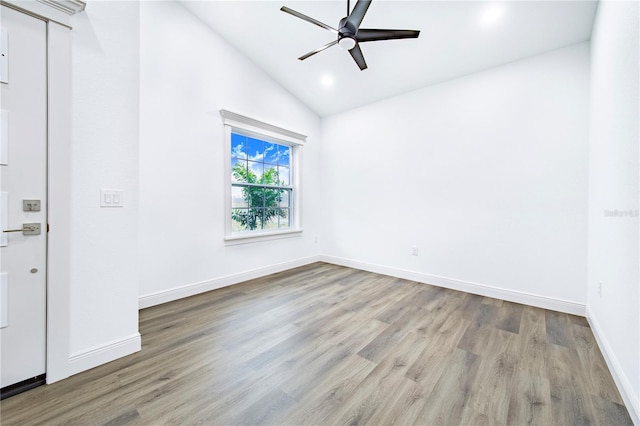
(491, 15)
(327, 81)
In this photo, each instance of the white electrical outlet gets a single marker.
(414, 251)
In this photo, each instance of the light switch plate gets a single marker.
(111, 198)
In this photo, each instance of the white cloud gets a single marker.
(238, 151)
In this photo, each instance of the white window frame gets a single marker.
(245, 125)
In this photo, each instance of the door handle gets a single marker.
(27, 229)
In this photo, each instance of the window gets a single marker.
(261, 178)
(260, 184)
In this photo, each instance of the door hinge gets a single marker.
(47, 227)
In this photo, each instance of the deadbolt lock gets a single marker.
(30, 205)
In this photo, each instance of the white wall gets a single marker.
(188, 74)
(486, 175)
(614, 184)
(104, 154)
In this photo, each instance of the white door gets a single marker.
(23, 134)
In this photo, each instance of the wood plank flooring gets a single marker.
(325, 345)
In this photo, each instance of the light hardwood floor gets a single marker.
(324, 345)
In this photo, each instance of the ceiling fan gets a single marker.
(349, 33)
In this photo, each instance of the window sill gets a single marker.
(256, 237)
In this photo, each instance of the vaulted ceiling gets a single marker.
(457, 38)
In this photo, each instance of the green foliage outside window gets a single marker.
(263, 201)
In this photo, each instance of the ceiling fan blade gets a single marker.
(357, 56)
(308, 19)
(320, 49)
(374, 35)
(357, 14)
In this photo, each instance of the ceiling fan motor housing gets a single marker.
(346, 35)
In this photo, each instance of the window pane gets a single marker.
(255, 149)
(284, 221)
(238, 219)
(284, 155)
(238, 146)
(259, 218)
(270, 176)
(246, 219)
(255, 172)
(238, 170)
(284, 175)
(237, 197)
(272, 197)
(270, 153)
(285, 198)
(271, 222)
(255, 196)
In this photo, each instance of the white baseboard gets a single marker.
(101, 354)
(466, 286)
(631, 400)
(148, 300)
(152, 299)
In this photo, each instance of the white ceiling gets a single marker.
(454, 41)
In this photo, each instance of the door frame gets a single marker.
(57, 14)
